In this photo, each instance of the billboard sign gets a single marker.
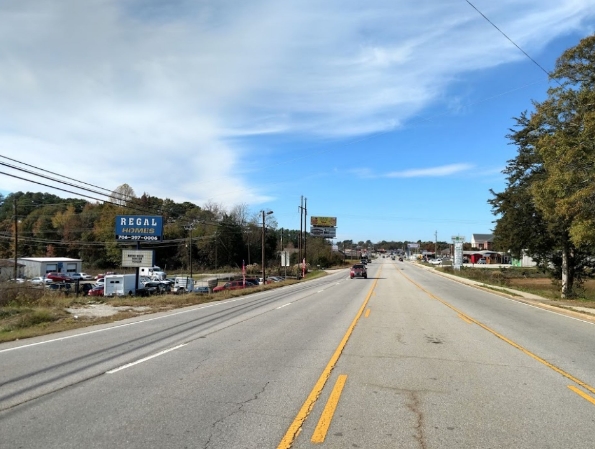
(413, 245)
(138, 258)
(323, 221)
(144, 228)
(323, 231)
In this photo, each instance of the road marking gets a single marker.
(296, 426)
(581, 394)
(128, 365)
(464, 318)
(319, 291)
(507, 340)
(367, 313)
(284, 305)
(329, 410)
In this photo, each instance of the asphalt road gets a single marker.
(404, 359)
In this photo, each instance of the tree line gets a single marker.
(209, 236)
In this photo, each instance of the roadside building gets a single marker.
(40, 266)
(482, 241)
(7, 269)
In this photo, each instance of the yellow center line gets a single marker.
(581, 394)
(464, 318)
(502, 337)
(296, 425)
(329, 410)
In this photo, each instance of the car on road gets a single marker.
(58, 277)
(358, 271)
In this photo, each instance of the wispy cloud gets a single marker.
(431, 172)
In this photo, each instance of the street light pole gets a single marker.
(263, 233)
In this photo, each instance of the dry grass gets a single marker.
(26, 312)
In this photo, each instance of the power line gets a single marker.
(510, 40)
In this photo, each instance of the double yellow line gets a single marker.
(469, 319)
(325, 420)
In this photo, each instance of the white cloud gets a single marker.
(157, 94)
(444, 170)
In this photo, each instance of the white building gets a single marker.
(40, 266)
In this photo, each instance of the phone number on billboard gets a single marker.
(138, 237)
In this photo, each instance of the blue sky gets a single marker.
(390, 118)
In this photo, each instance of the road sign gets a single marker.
(323, 231)
(323, 221)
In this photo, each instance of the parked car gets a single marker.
(233, 285)
(75, 276)
(86, 277)
(96, 291)
(58, 277)
(482, 261)
(436, 261)
(201, 289)
(55, 286)
(39, 280)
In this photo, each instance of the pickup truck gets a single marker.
(358, 271)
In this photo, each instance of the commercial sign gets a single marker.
(323, 221)
(322, 231)
(146, 228)
(138, 257)
(412, 245)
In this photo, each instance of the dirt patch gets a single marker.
(104, 310)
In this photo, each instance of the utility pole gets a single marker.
(435, 244)
(190, 228)
(301, 208)
(16, 240)
(264, 279)
(305, 227)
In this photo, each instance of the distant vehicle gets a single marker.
(58, 277)
(102, 275)
(482, 261)
(435, 261)
(233, 285)
(59, 286)
(96, 291)
(202, 290)
(39, 280)
(86, 277)
(154, 272)
(358, 271)
(76, 276)
(119, 284)
(182, 284)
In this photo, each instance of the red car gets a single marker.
(233, 285)
(96, 291)
(358, 271)
(58, 277)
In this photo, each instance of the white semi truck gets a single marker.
(154, 273)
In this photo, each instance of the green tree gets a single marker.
(548, 206)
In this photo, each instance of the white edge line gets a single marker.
(239, 298)
(128, 365)
(284, 305)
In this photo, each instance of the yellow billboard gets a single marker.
(323, 221)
